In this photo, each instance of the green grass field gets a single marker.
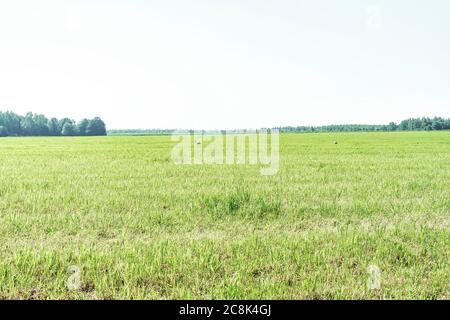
(138, 226)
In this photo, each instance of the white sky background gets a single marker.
(226, 63)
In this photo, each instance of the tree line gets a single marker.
(411, 124)
(140, 132)
(33, 124)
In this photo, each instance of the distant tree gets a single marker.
(41, 125)
(2, 119)
(447, 124)
(96, 127)
(62, 122)
(53, 129)
(403, 125)
(12, 123)
(28, 127)
(392, 126)
(437, 124)
(69, 129)
(82, 127)
(426, 124)
(3, 131)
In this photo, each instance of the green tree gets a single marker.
(96, 127)
(437, 123)
(62, 122)
(28, 127)
(69, 129)
(392, 126)
(12, 123)
(53, 129)
(3, 131)
(82, 127)
(41, 125)
(447, 124)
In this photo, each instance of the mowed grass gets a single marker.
(140, 227)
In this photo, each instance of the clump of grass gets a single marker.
(268, 206)
(240, 202)
(227, 204)
(211, 202)
(239, 198)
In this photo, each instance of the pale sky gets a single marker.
(226, 63)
